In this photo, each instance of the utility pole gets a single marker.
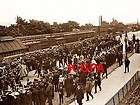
(137, 21)
(126, 40)
(100, 24)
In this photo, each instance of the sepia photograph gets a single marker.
(69, 52)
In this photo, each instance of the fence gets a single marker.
(116, 99)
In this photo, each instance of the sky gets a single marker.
(82, 11)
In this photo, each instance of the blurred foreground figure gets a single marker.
(79, 95)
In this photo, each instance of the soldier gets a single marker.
(79, 95)
(88, 89)
(42, 94)
(56, 81)
(133, 38)
(61, 93)
(97, 83)
(137, 46)
(65, 59)
(69, 59)
(35, 94)
(127, 62)
(49, 91)
(75, 62)
(60, 60)
(38, 71)
(68, 85)
(82, 78)
(120, 58)
(105, 69)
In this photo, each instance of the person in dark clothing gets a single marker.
(79, 95)
(137, 46)
(9, 100)
(29, 97)
(38, 71)
(133, 38)
(49, 92)
(82, 78)
(97, 83)
(105, 69)
(42, 96)
(125, 40)
(127, 62)
(35, 95)
(65, 59)
(69, 59)
(68, 83)
(75, 62)
(61, 93)
(56, 81)
(120, 58)
(60, 60)
(88, 89)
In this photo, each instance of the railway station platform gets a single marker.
(116, 80)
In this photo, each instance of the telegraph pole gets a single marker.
(137, 21)
(100, 24)
(126, 40)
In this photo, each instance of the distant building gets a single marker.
(10, 46)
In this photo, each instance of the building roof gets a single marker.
(9, 44)
(6, 38)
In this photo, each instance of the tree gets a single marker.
(55, 27)
(21, 21)
(105, 24)
(89, 26)
(65, 27)
(3, 30)
(39, 27)
(73, 25)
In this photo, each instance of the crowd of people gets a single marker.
(52, 72)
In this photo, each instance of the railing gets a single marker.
(116, 99)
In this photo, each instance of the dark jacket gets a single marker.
(97, 80)
(61, 91)
(127, 62)
(68, 83)
(79, 94)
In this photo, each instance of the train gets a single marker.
(36, 42)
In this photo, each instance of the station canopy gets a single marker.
(10, 44)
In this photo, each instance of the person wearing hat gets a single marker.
(61, 93)
(79, 95)
(68, 84)
(42, 96)
(127, 62)
(65, 59)
(133, 39)
(55, 81)
(88, 88)
(97, 82)
(120, 58)
(35, 91)
(105, 69)
(49, 92)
